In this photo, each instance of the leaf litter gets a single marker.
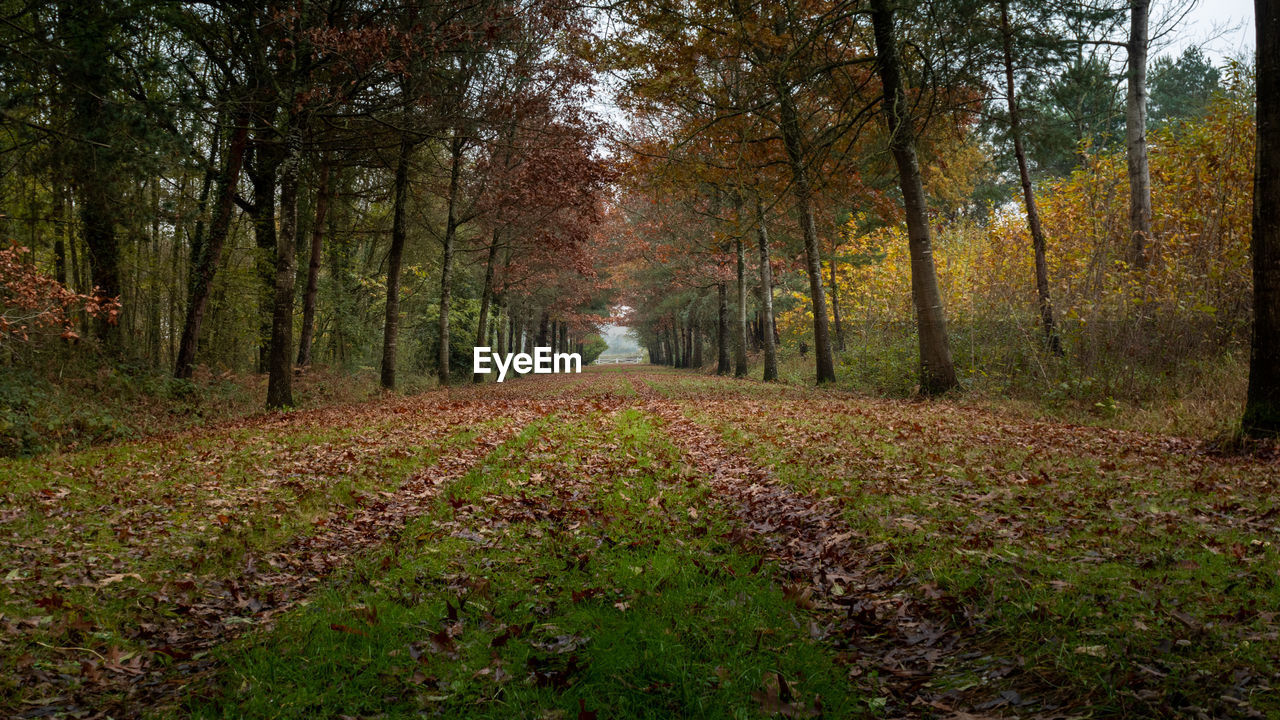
(910, 643)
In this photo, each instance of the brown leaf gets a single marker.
(776, 699)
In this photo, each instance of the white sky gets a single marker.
(1226, 25)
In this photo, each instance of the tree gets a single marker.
(1028, 192)
(740, 321)
(207, 258)
(395, 256)
(315, 257)
(937, 374)
(1069, 113)
(797, 153)
(280, 353)
(1136, 133)
(766, 295)
(1262, 407)
(1181, 88)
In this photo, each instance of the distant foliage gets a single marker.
(592, 347)
(1182, 88)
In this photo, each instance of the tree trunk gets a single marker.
(263, 174)
(97, 224)
(740, 328)
(1028, 195)
(153, 321)
(697, 346)
(446, 259)
(513, 339)
(339, 271)
(391, 320)
(87, 70)
(937, 374)
(1136, 136)
(59, 245)
(280, 365)
(499, 328)
(206, 265)
(835, 300)
(210, 176)
(313, 268)
(542, 330)
(825, 363)
(486, 295)
(1262, 408)
(766, 296)
(722, 331)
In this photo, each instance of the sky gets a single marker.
(618, 340)
(1226, 25)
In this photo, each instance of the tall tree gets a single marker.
(1262, 408)
(766, 296)
(740, 322)
(723, 365)
(801, 186)
(1044, 303)
(315, 256)
(937, 374)
(1136, 134)
(457, 145)
(89, 32)
(209, 252)
(395, 255)
(280, 350)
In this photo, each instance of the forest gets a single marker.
(938, 353)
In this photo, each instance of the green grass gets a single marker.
(103, 542)
(1194, 393)
(67, 401)
(1140, 577)
(564, 573)
(582, 566)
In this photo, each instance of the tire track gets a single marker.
(900, 637)
(208, 612)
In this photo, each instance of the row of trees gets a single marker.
(257, 183)
(770, 125)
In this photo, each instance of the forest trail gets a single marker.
(634, 542)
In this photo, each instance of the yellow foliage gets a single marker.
(1199, 269)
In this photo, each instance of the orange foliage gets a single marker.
(31, 301)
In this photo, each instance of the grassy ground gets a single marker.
(1134, 574)
(1201, 398)
(565, 574)
(73, 402)
(641, 543)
